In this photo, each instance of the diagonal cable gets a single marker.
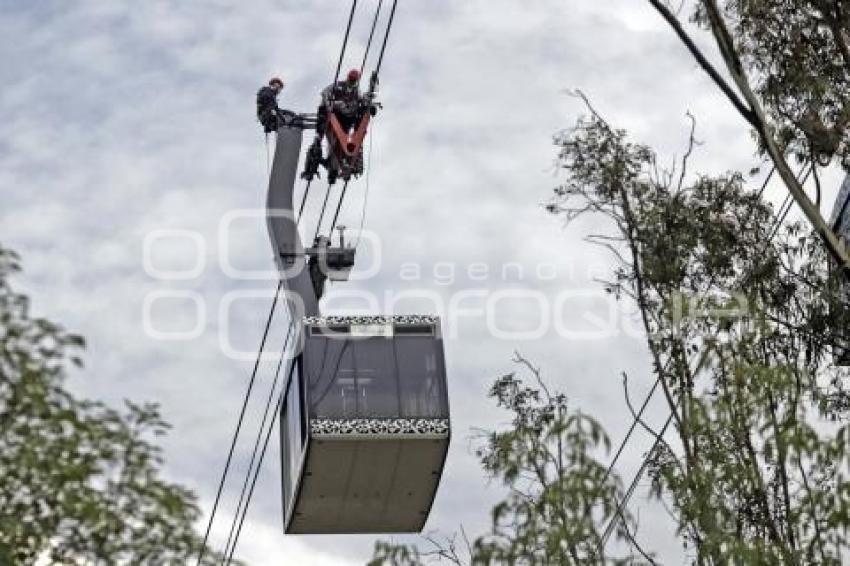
(345, 40)
(386, 37)
(257, 440)
(371, 34)
(247, 396)
(259, 466)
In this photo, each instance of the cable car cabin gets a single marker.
(364, 425)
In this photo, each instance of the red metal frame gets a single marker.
(349, 144)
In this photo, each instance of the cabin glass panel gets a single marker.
(388, 376)
(293, 432)
(421, 382)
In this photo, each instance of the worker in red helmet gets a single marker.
(344, 99)
(268, 112)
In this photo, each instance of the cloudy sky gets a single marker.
(129, 140)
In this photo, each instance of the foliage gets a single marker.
(741, 328)
(79, 482)
(798, 55)
(741, 315)
(742, 325)
(559, 493)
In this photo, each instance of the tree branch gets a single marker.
(673, 21)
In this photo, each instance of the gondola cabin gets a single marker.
(364, 425)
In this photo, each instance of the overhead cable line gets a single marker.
(339, 206)
(386, 37)
(785, 208)
(766, 181)
(259, 466)
(618, 512)
(635, 422)
(374, 75)
(366, 192)
(322, 213)
(345, 40)
(245, 499)
(202, 550)
(257, 440)
(371, 33)
(336, 78)
(303, 202)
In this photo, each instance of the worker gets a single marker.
(343, 99)
(346, 102)
(268, 112)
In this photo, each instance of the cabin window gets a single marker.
(293, 432)
(377, 376)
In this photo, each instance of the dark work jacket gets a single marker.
(266, 101)
(345, 95)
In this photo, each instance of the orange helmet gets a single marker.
(354, 75)
(276, 81)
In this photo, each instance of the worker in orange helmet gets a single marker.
(268, 112)
(343, 99)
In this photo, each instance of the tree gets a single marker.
(740, 321)
(740, 327)
(79, 482)
(559, 491)
(789, 62)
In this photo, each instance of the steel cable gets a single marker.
(239, 421)
(386, 37)
(257, 441)
(371, 33)
(269, 430)
(338, 207)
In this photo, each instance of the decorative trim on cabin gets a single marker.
(380, 427)
(395, 320)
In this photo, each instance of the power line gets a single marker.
(339, 206)
(766, 181)
(303, 201)
(333, 89)
(275, 414)
(371, 33)
(386, 37)
(202, 550)
(618, 512)
(322, 213)
(630, 431)
(366, 192)
(257, 441)
(345, 40)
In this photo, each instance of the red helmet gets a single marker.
(276, 81)
(354, 75)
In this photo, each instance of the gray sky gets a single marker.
(121, 120)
